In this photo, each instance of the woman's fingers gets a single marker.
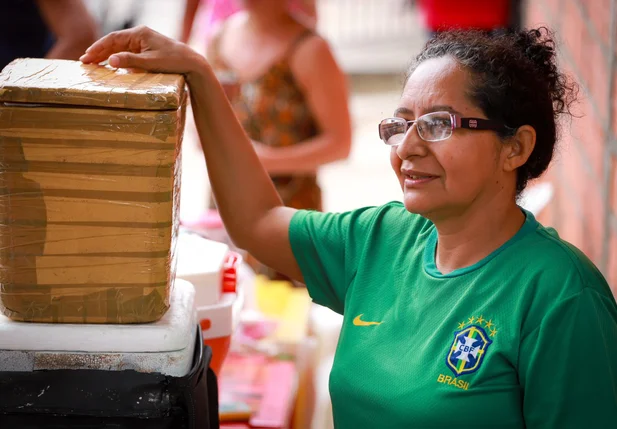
(131, 40)
(141, 48)
(104, 47)
(127, 60)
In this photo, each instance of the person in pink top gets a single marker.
(218, 11)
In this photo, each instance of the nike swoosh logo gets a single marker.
(359, 322)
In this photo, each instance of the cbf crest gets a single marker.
(469, 346)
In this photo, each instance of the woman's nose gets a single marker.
(412, 144)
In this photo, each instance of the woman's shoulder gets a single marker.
(561, 263)
(308, 44)
(556, 281)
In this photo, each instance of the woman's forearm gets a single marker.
(304, 157)
(241, 186)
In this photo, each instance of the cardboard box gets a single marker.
(89, 191)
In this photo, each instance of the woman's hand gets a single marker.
(144, 48)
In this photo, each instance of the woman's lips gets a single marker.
(416, 181)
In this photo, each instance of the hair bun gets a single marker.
(538, 46)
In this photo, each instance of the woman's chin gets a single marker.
(419, 204)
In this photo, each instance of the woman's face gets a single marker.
(461, 171)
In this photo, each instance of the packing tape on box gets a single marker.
(89, 202)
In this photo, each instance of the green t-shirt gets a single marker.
(527, 337)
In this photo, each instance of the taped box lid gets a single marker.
(44, 81)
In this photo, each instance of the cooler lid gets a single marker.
(174, 331)
(43, 81)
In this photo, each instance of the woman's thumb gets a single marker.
(125, 60)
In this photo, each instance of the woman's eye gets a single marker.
(396, 129)
(440, 123)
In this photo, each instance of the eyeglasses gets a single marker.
(433, 127)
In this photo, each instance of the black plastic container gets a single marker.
(111, 399)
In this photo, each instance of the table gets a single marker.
(258, 390)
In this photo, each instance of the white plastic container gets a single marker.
(214, 270)
(165, 346)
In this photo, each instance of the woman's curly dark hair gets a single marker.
(515, 80)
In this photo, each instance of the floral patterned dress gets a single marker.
(274, 111)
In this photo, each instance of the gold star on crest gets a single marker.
(489, 324)
(480, 320)
(471, 319)
(493, 332)
(461, 325)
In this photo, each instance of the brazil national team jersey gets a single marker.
(525, 338)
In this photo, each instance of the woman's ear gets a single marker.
(519, 147)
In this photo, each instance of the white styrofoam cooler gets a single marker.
(205, 263)
(201, 261)
(217, 274)
(165, 346)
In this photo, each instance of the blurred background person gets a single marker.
(214, 12)
(289, 94)
(60, 29)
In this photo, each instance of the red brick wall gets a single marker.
(584, 208)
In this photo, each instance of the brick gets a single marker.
(585, 63)
(594, 222)
(590, 134)
(534, 15)
(581, 207)
(571, 165)
(614, 36)
(612, 192)
(612, 263)
(599, 14)
(598, 75)
(569, 218)
(550, 216)
(572, 29)
(580, 203)
(552, 6)
(614, 99)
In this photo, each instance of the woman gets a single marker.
(290, 97)
(461, 310)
